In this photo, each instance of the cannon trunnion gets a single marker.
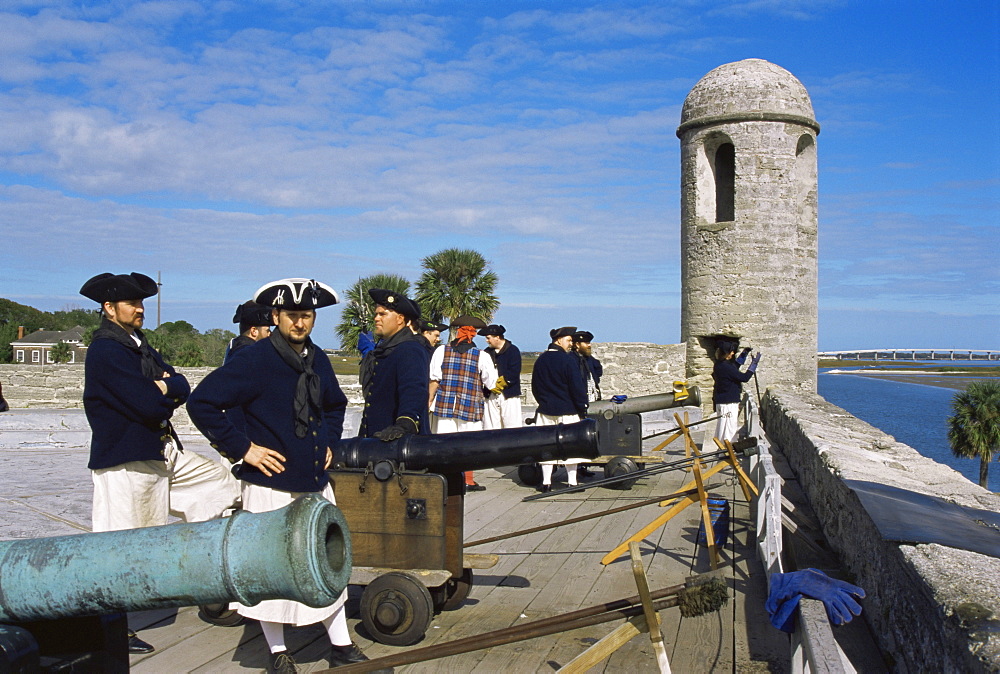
(404, 504)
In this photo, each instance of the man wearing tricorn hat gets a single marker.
(294, 410)
(729, 382)
(590, 368)
(255, 325)
(559, 391)
(503, 402)
(394, 374)
(459, 373)
(140, 471)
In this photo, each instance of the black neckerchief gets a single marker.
(462, 347)
(307, 389)
(381, 350)
(115, 332)
(555, 347)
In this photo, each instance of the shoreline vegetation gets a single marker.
(955, 377)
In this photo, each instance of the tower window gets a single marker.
(725, 183)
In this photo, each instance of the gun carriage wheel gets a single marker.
(618, 466)
(396, 609)
(453, 593)
(530, 474)
(221, 615)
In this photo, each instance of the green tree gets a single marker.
(457, 281)
(61, 353)
(359, 309)
(974, 429)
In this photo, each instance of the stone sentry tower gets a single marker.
(748, 219)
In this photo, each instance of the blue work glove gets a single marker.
(619, 399)
(753, 363)
(366, 342)
(788, 588)
(740, 359)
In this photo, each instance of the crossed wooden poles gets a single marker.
(695, 488)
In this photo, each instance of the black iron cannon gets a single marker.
(62, 599)
(404, 504)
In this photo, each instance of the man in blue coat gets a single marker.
(294, 411)
(395, 374)
(140, 471)
(558, 389)
(590, 368)
(255, 325)
(503, 401)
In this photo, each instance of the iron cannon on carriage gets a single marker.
(404, 504)
(619, 424)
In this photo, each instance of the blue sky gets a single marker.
(225, 144)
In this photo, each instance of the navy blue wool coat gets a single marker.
(557, 385)
(728, 382)
(508, 361)
(399, 388)
(262, 385)
(128, 415)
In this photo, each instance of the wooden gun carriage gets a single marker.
(404, 505)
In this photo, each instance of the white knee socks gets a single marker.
(274, 635)
(336, 628)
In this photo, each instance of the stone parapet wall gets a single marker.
(633, 368)
(922, 599)
(639, 368)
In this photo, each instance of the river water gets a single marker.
(913, 413)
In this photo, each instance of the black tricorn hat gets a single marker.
(397, 302)
(727, 345)
(466, 320)
(250, 314)
(556, 333)
(497, 330)
(428, 326)
(297, 294)
(109, 287)
(583, 336)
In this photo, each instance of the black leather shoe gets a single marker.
(545, 488)
(475, 487)
(281, 663)
(346, 655)
(137, 646)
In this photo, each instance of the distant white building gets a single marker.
(37, 347)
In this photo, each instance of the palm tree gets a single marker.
(455, 282)
(359, 312)
(974, 430)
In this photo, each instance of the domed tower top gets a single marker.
(748, 90)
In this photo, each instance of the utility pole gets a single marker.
(159, 294)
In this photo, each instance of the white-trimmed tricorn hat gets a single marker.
(297, 294)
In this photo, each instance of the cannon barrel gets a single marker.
(680, 396)
(301, 552)
(473, 450)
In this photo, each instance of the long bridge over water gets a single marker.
(947, 353)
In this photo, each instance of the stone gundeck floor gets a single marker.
(45, 490)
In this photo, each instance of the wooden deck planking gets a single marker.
(538, 575)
